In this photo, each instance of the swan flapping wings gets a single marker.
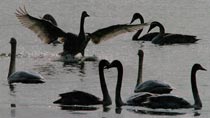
(48, 32)
(44, 29)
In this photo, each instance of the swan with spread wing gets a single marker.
(73, 43)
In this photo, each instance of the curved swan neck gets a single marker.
(158, 38)
(141, 19)
(12, 57)
(106, 97)
(118, 99)
(198, 103)
(137, 34)
(162, 29)
(139, 77)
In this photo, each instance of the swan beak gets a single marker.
(150, 28)
(203, 69)
(133, 19)
(106, 67)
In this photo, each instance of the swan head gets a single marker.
(115, 63)
(140, 53)
(199, 67)
(13, 41)
(84, 14)
(50, 18)
(137, 16)
(104, 63)
(153, 25)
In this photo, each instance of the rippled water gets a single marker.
(168, 63)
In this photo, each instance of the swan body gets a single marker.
(78, 98)
(169, 101)
(73, 44)
(21, 76)
(162, 38)
(25, 77)
(83, 98)
(152, 86)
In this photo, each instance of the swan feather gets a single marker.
(42, 28)
(114, 30)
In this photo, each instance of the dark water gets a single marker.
(168, 63)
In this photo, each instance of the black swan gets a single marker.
(73, 44)
(169, 101)
(20, 76)
(152, 86)
(146, 37)
(83, 98)
(162, 39)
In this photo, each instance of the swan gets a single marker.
(152, 86)
(20, 76)
(146, 37)
(83, 98)
(169, 101)
(73, 44)
(162, 39)
(135, 100)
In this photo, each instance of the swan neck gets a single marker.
(139, 77)
(162, 29)
(157, 39)
(12, 59)
(82, 32)
(106, 96)
(118, 99)
(198, 103)
(136, 35)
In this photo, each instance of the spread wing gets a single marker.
(115, 30)
(45, 30)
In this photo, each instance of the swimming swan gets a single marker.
(73, 44)
(162, 39)
(20, 76)
(169, 101)
(83, 98)
(152, 86)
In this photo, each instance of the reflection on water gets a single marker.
(46, 69)
(78, 108)
(150, 112)
(13, 110)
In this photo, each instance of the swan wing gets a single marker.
(45, 30)
(115, 30)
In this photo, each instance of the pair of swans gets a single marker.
(73, 44)
(166, 101)
(20, 76)
(161, 37)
